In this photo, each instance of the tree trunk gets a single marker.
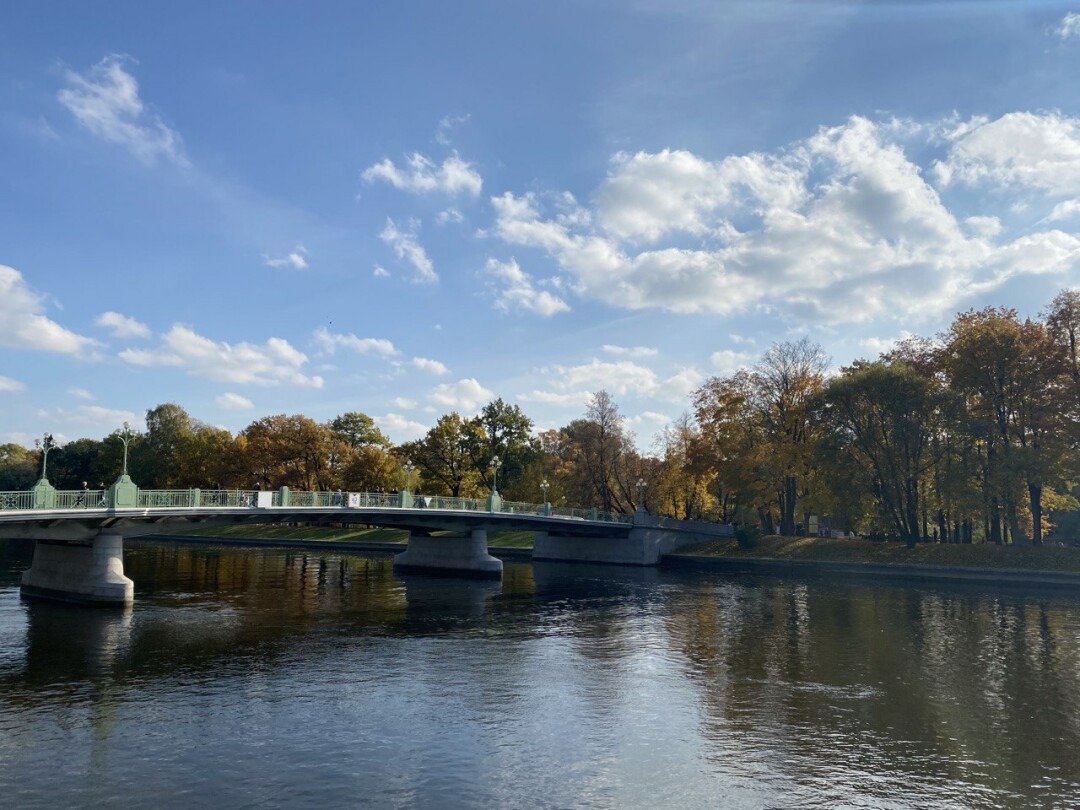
(1035, 494)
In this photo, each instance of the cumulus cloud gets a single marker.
(630, 351)
(122, 326)
(1069, 28)
(105, 100)
(430, 366)
(81, 393)
(94, 415)
(399, 428)
(726, 361)
(514, 290)
(421, 175)
(842, 226)
(466, 396)
(405, 404)
(407, 248)
(296, 259)
(22, 324)
(1064, 210)
(380, 272)
(1022, 149)
(234, 402)
(329, 342)
(274, 362)
(572, 385)
(8, 385)
(450, 215)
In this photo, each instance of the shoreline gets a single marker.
(732, 564)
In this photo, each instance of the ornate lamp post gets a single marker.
(45, 444)
(544, 486)
(494, 501)
(125, 435)
(406, 495)
(641, 493)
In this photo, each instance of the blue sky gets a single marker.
(408, 208)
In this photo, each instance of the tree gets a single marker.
(443, 456)
(784, 382)
(501, 430)
(883, 414)
(358, 430)
(293, 451)
(19, 467)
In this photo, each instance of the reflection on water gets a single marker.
(257, 677)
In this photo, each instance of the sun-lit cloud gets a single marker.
(329, 342)
(630, 351)
(9, 385)
(726, 361)
(22, 324)
(275, 362)
(572, 385)
(430, 366)
(406, 247)
(122, 326)
(1069, 27)
(421, 175)
(105, 101)
(296, 259)
(400, 428)
(81, 393)
(514, 290)
(466, 396)
(842, 225)
(234, 402)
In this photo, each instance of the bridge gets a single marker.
(78, 553)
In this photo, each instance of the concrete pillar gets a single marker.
(80, 572)
(462, 556)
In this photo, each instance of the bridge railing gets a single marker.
(239, 498)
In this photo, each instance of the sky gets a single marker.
(405, 209)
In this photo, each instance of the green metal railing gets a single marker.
(291, 499)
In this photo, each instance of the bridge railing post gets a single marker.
(283, 496)
(196, 497)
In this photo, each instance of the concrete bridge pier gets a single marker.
(80, 572)
(459, 556)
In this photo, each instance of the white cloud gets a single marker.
(234, 402)
(407, 248)
(880, 346)
(742, 339)
(450, 215)
(275, 362)
(630, 351)
(571, 385)
(404, 404)
(22, 326)
(329, 342)
(296, 259)
(986, 227)
(516, 291)
(841, 227)
(399, 428)
(446, 124)
(105, 100)
(122, 326)
(420, 175)
(726, 361)
(1070, 26)
(430, 366)
(8, 385)
(380, 272)
(1022, 149)
(466, 396)
(1064, 210)
(95, 415)
(81, 393)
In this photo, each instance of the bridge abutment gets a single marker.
(80, 572)
(461, 556)
(651, 537)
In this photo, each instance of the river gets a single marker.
(297, 678)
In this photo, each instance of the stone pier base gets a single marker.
(80, 572)
(458, 556)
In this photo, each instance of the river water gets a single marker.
(293, 678)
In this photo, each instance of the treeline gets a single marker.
(970, 436)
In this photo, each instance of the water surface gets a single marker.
(278, 678)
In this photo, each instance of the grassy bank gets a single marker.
(352, 534)
(849, 550)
